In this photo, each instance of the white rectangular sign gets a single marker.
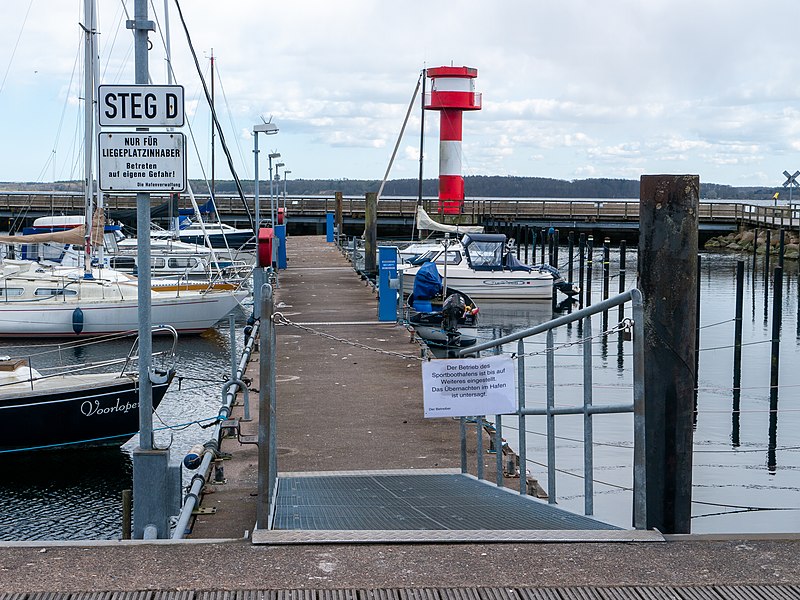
(465, 387)
(141, 162)
(140, 105)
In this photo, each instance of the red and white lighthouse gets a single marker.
(452, 92)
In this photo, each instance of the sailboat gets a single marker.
(55, 301)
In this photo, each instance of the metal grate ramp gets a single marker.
(420, 506)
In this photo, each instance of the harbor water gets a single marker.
(71, 494)
(746, 471)
(746, 462)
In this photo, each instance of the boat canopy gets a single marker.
(424, 222)
(485, 251)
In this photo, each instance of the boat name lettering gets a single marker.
(91, 408)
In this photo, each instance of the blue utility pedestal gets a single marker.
(280, 234)
(329, 227)
(387, 279)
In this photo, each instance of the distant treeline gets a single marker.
(476, 186)
(481, 186)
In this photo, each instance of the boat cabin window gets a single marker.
(437, 256)
(54, 292)
(7, 292)
(182, 262)
(157, 263)
(123, 262)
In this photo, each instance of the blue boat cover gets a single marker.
(427, 282)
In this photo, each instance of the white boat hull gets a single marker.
(187, 315)
(494, 285)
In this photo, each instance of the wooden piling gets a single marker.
(623, 248)
(606, 267)
(781, 248)
(777, 316)
(555, 248)
(581, 248)
(668, 245)
(589, 261)
(737, 353)
(570, 253)
(371, 234)
(338, 215)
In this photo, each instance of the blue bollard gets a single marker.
(387, 271)
(329, 227)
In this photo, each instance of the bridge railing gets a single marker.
(404, 207)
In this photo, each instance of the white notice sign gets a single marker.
(465, 387)
(142, 162)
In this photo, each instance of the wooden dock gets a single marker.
(345, 407)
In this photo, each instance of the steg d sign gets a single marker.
(141, 105)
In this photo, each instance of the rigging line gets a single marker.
(579, 476)
(63, 112)
(733, 346)
(721, 505)
(629, 446)
(113, 42)
(230, 118)
(400, 137)
(16, 45)
(216, 121)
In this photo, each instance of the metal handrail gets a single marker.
(211, 447)
(634, 296)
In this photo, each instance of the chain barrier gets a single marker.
(279, 319)
(626, 325)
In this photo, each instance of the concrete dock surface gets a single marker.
(343, 405)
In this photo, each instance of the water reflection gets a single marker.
(63, 494)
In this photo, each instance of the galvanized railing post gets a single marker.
(639, 439)
(498, 448)
(463, 438)
(523, 442)
(267, 462)
(551, 421)
(588, 449)
(479, 445)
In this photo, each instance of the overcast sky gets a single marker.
(571, 89)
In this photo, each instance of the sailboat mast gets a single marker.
(88, 114)
(421, 149)
(213, 129)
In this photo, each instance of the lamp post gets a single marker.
(271, 198)
(268, 129)
(258, 273)
(285, 177)
(277, 187)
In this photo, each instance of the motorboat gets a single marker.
(446, 319)
(50, 301)
(72, 406)
(218, 235)
(482, 266)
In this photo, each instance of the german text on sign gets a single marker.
(141, 105)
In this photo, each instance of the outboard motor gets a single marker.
(453, 310)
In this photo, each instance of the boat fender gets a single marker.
(77, 321)
(158, 376)
(194, 457)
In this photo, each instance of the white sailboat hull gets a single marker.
(55, 319)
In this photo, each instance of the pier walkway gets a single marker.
(347, 407)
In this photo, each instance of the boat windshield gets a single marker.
(437, 256)
(486, 255)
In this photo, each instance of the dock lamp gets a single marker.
(285, 177)
(267, 129)
(271, 197)
(258, 275)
